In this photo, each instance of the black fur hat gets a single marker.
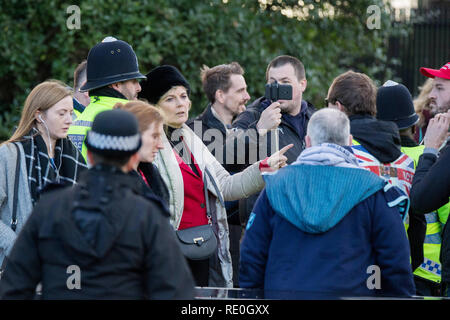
(160, 80)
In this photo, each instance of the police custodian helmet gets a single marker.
(110, 61)
(114, 133)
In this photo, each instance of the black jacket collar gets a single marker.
(208, 119)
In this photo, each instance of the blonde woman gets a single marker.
(198, 184)
(38, 153)
(422, 108)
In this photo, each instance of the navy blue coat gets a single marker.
(308, 236)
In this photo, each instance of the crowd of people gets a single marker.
(109, 190)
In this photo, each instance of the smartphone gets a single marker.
(276, 91)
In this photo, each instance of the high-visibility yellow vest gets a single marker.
(78, 130)
(430, 269)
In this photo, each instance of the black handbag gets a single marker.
(199, 243)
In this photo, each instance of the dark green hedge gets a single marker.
(35, 43)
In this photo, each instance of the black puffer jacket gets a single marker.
(430, 191)
(247, 121)
(248, 147)
(120, 243)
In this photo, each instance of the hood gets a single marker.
(380, 138)
(316, 198)
(93, 220)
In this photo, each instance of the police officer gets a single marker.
(112, 73)
(100, 239)
(394, 103)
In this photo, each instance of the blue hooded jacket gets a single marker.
(326, 230)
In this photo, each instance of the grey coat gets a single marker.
(229, 187)
(8, 157)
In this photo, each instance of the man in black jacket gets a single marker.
(100, 239)
(267, 126)
(226, 90)
(431, 183)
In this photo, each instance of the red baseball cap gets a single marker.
(443, 72)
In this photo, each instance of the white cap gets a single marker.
(390, 83)
(109, 39)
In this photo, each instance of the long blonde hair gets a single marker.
(42, 97)
(422, 102)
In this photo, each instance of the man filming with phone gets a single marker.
(273, 121)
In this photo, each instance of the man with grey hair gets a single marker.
(320, 213)
(329, 127)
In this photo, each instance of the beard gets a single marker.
(237, 110)
(435, 109)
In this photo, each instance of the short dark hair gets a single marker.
(279, 61)
(218, 78)
(78, 74)
(117, 161)
(356, 92)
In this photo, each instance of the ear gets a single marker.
(303, 84)
(308, 141)
(219, 96)
(115, 86)
(340, 107)
(37, 115)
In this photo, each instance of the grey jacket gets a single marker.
(8, 157)
(229, 187)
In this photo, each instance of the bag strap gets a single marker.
(16, 190)
(208, 209)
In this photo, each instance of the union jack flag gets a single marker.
(399, 173)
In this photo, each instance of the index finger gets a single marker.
(274, 105)
(286, 148)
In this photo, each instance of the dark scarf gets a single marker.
(106, 92)
(68, 162)
(408, 141)
(180, 148)
(154, 181)
(380, 138)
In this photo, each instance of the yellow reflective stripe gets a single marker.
(433, 228)
(443, 212)
(78, 130)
